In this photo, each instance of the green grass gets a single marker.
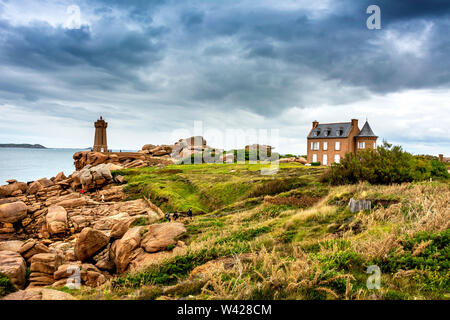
(244, 235)
(170, 271)
(238, 210)
(211, 187)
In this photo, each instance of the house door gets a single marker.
(314, 158)
(325, 160)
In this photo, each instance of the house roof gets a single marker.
(330, 130)
(366, 131)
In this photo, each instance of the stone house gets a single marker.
(329, 142)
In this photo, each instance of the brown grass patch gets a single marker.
(302, 201)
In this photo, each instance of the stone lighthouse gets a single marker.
(100, 144)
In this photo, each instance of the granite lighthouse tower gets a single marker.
(100, 144)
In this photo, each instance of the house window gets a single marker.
(325, 146)
(337, 145)
(374, 145)
(362, 145)
(325, 160)
(314, 158)
(337, 158)
(315, 145)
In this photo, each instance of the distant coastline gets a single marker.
(22, 145)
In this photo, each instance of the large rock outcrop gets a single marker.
(31, 248)
(56, 220)
(89, 242)
(186, 147)
(39, 294)
(13, 212)
(119, 159)
(14, 267)
(142, 246)
(13, 188)
(42, 267)
(161, 236)
(88, 275)
(12, 245)
(90, 177)
(121, 250)
(157, 151)
(35, 187)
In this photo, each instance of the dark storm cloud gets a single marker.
(216, 55)
(43, 47)
(191, 19)
(339, 46)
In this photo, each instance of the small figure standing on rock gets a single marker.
(103, 198)
(82, 191)
(189, 213)
(175, 216)
(168, 216)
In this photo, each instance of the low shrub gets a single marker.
(386, 165)
(141, 221)
(6, 286)
(424, 251)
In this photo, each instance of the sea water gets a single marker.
(31, 164)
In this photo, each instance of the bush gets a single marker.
(6, 286)
(315, 164)
(433, 257)
(438, 169)
(385, 165)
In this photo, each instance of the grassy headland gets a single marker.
(289, 236)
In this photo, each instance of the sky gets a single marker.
(155, 68)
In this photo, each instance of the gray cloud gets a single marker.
(178, 60)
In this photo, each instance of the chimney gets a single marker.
(355, 123)
(441, 158)
(315, 123)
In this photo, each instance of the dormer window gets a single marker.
(317, 133)
(339, 132)
(327, 132)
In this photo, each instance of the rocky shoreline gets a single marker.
(51, 231)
